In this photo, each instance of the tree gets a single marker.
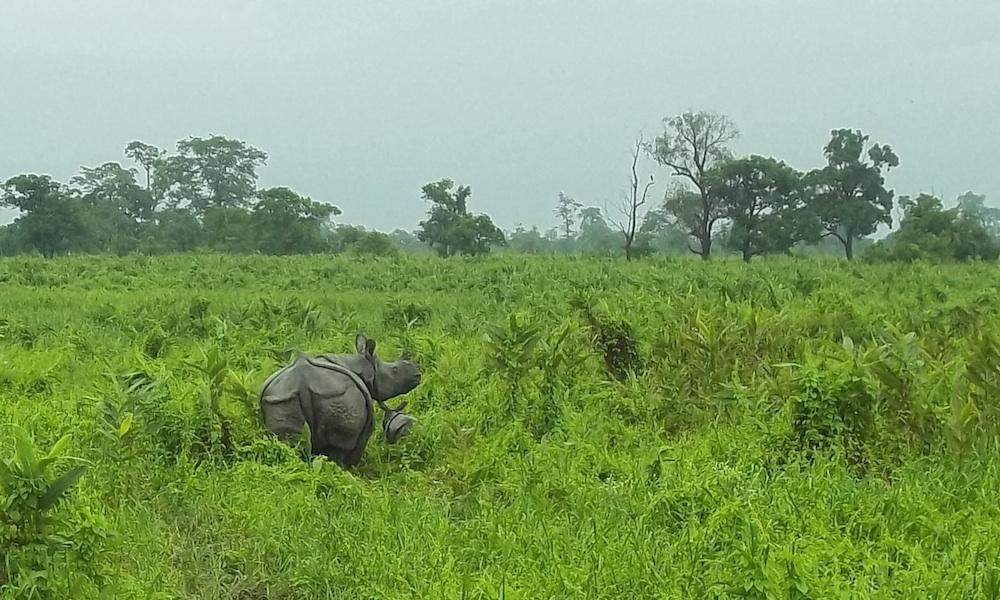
(228, 229)
(450, 229)
(761, 197)
(596, 237)
(848, 195)
(407, 241)
(566, 209)
(974, 206)
(286, 223)
(175, 230)
(691, 144)
(51, 219)
(661, 232)
(146, 156)
(354, 239)
(115, 207)
(209, 172)
(528, 241)
(633, 202)
(115, 185)
(928, 231)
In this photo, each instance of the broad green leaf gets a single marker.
(126, 425)
(24, 449)
(59, 487)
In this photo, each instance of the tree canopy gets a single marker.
(449, 228)
(691, 145)
(762, 199)
(848, 195)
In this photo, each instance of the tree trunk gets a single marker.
(705, 229)
(849, 247)
(747, 255)
(706, 245)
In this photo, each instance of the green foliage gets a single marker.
(762, 199)
(51, 220)
(691, 145)
(45, 549)
(450, 229)
(928, 231)
(356, 241)
(848, 195)
(567, 209)
(585, 428)
(287, 223)
(208, 172)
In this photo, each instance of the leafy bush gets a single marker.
(930, 232)
(47, 552)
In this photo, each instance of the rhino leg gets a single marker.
(343, 430)
(344, 458)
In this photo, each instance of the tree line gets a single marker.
(204, 196)
(761, 205)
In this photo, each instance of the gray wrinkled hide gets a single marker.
(337, 406)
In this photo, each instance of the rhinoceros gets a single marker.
(335, 395)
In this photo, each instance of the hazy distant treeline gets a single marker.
(703, 200)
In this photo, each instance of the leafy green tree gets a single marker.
(566, 210)
(228, 229)
(761, 198)
(528, 241)
(450, 229)
(691, 144)
(928, 231)
(374, 243)
(355, 239)
(286, 223)
(146, 156)
(661, 232)
(848, 195)
(209, 172)
(114, 185)
(974, 206)
(407, 241)
(12, 240)
(174, 230)
(115, 207)
(596, 237)
(52, 219)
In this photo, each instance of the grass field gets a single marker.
(586, 429)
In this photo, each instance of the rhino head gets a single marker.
(390, 379)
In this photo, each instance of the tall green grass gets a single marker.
(586, 429)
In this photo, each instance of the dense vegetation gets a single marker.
(205, 196)
(791, 428)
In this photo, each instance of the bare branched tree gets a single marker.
(633, 201)
(691, 144)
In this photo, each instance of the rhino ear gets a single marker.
(361, 343)
(370, 347)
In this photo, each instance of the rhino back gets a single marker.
(284, 401)
(339, 414)
(342, 412)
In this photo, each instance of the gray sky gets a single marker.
(361, 103)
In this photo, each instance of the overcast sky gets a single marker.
(361, 103)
